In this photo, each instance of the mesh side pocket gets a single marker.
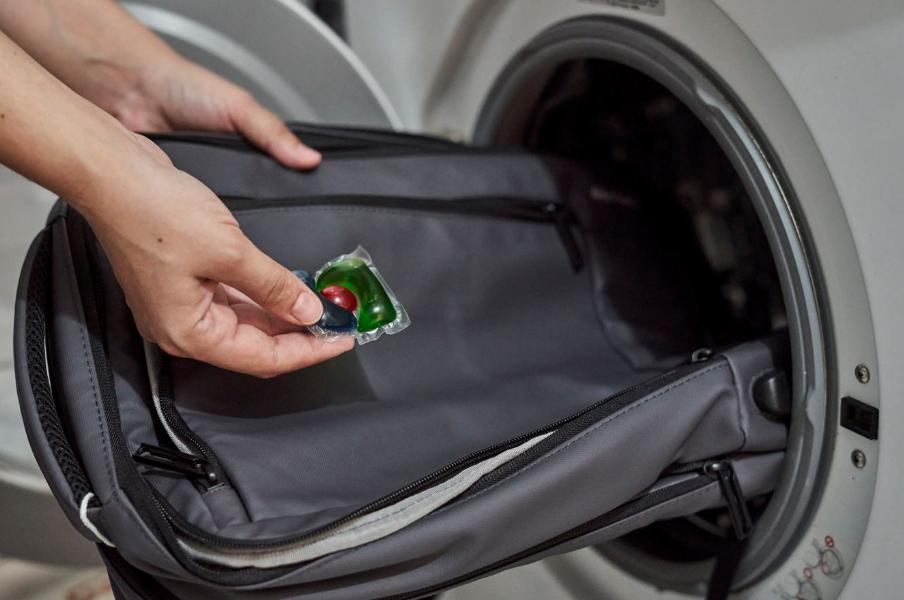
(36, 328)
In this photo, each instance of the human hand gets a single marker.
(105, 55)
(195, 284)
(177, 94)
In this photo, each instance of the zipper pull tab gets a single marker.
(724, 473)
(173, 460)
(699, 355)
(561, 218)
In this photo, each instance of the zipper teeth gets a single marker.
(181, 435)
(152, 358)
(543, 211)
(434, 477)
(187, 434)
(690, 467)
(175, 421)
(540, 210)
(177, 439)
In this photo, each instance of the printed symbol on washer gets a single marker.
(827, 559)
(802, 589)
(808, 591)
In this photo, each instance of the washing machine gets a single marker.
(767, 134)
(784, 116)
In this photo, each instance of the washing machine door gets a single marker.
(276, 49)
(294, 64)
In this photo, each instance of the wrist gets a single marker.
(113, 175)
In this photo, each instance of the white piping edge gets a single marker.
(83, 516)
(365, 529)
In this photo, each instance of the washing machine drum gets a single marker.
(544, 397)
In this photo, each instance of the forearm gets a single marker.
(93, 46)
(109, 58)
(58, 139)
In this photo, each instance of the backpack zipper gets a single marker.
(192, 455)
(537, 211)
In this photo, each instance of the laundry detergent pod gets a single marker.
(336, 319)
(353, 285)
(353, 275)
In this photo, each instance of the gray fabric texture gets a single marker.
(436, 390)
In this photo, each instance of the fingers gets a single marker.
(269, 133)
(248, 311)
(257, 317)
(231, 339)
(266, 282)
(237, 334)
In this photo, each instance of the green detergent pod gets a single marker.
(352, 282)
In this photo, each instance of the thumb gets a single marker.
(272, 286)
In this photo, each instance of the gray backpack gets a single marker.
(546, 396)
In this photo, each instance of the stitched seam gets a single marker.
(103, 432)
(115, 494)
(575, 439)
(741, 422)
(736, 380)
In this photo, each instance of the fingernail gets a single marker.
(307, 154)
(307, 308)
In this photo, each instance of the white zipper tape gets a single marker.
(364, 529)
(152, 360)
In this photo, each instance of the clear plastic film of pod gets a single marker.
(356, 299)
